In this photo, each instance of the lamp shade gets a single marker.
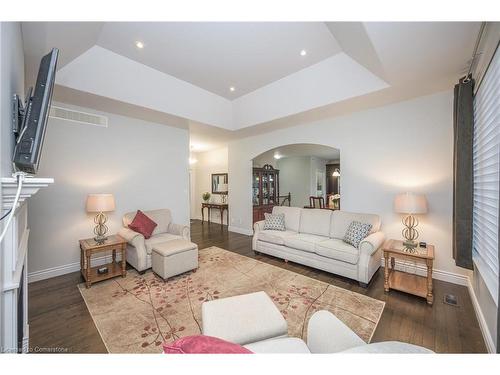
(100, 203)
(409, 203)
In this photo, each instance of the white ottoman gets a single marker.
(243, 319)
(174, 257)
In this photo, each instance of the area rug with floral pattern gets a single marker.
(137, 313)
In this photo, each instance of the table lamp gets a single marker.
(410, 204)
(100, 203)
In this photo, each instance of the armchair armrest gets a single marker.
(327, 334)
(129, 234)
(371, 243)
(258, 226)
(180, 230)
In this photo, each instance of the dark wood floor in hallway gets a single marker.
(59, 318)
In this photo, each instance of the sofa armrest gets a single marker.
(327, 334)
(180, 230)
(371, 243)
(258, 226)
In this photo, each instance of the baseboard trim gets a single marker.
(234, 229)
(488, 339)
(67, 268)
(421, 270)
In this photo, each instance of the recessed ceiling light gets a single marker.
(303, 52)
(139, 44)
(232, 88)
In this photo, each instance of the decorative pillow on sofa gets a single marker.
(203, 345)
(142, 224)
(274, 222)
(356, 233)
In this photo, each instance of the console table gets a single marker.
(218, 206)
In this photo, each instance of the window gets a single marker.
(486, 156)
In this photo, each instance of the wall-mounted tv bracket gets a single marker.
(20, 111)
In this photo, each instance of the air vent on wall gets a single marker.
(77, 116)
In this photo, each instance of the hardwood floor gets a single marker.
(59, 318)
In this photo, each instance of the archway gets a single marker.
(299, 175)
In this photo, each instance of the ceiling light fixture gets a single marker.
(277, 156)
(139, 44)
(303, 52)
(232, 88)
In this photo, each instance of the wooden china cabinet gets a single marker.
(265, 191)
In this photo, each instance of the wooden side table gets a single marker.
(218, 206)
(406, 282)
(90, 247)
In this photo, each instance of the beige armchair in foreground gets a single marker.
(139, 249)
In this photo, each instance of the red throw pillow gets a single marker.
(142, 224)
(203, 345)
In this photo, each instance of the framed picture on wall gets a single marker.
(219, 183)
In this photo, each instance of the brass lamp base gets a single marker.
(100, 229)
(409, 232)
(410, 244)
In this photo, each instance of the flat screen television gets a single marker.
(33, 117)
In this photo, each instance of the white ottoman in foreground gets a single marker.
(243, 319)
(174, 257)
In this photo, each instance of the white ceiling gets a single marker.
(185, 69)
(218, 55)
(301, 149)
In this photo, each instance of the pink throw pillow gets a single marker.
(142, 224)
(203, 345)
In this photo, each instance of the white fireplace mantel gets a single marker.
(31, 185)
(13, 260)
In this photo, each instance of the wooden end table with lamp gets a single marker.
(408, 282)
(99, 204)
(409, 250)
(90, 246)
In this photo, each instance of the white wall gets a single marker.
(11, 82)
(145, 166)
(295, 178)
(401, 147)
(214, 161)
(317, 165)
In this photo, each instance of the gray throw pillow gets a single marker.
(274, 222)
(356, 233)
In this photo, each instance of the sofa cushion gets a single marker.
(315, 221)
(274, 221)
(303, 241)
(337, 249)
(159, 238)
(342, 219)
(292, 216)
(274, 236)
(161, 217)
(142, 224)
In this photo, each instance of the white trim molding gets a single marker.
(421, 270)
(67, 268)
(488, 339)
(247, 232)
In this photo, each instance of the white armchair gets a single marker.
(139, 249)
(327, 334)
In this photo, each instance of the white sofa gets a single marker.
(327, 334)
(313, 237)
(139, 249)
